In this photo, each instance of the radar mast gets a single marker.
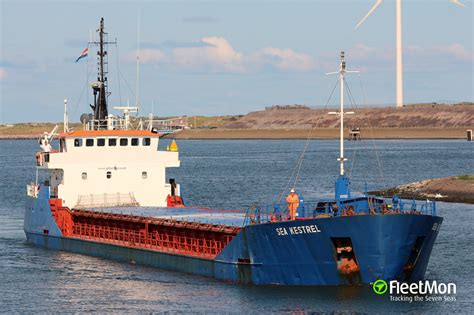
(99, 87)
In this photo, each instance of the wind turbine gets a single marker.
(399, 43)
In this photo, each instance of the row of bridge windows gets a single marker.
(109, 175)
(111, 142)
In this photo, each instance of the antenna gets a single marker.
(150, 116)
(126, 110)
(66, 122)
(138, 61)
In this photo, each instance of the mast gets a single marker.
(399, 49)
(342, 70)
(100, 86)
(342, 183)
(342, 73)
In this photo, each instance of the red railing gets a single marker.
(192, 246)
(164, 235)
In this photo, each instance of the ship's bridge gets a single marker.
(108, 167)
(95, 140)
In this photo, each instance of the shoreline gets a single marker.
(320, 134)
(456, 189)
(458, 133)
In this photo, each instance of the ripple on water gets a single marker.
(232, 174)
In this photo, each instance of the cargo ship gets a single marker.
(103, 192)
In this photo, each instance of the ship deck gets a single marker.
(187, 214)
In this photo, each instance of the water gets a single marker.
(234, 174)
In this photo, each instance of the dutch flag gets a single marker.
(84, 54)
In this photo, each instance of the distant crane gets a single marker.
(399, 42)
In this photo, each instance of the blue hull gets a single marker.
(383, 244)
(298, 252)
(166, 261)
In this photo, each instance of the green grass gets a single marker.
(466, 177)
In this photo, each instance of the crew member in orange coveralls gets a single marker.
(293, 203)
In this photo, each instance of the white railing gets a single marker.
(106, 200)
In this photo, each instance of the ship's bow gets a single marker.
(339, 250)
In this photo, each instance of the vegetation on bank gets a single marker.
(450, 189)
(466, 177)
(207, 122)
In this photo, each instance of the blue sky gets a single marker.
(226, 57)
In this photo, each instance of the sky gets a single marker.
(228, 57)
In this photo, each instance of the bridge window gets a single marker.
(124, 142)
(146, 141)
(100, 142)
(109, 174)
(134, 142)
(89, 142)
(112, 142)
(144, 175)
(84, 175)
(78, 142)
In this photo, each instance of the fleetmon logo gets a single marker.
(380, 286)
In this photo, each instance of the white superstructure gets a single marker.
(95, 168)
(110, 162)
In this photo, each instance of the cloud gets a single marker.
(285, 59)
(216, 54)
(170, 44)
(460, 52)
(199, 19)
(3, 74)
(363, 52)
(455, 51)
(415, 58)
(220, 56)
(148, 55)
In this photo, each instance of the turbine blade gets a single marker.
(377, 3)
(457, 2)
